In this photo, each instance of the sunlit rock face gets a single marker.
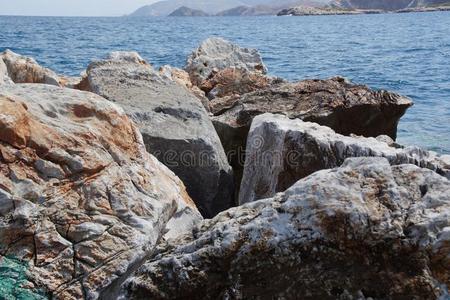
(175, 126)
(280, 151)
(81, 201)
(336, 103)
(215, 54)
(364, 230)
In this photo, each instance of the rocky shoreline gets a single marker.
(216, 181)
(323, 11)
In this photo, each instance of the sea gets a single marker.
(405, 53)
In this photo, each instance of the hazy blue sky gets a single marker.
(70, 7)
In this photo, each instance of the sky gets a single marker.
(70, 7)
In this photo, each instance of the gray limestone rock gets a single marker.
(175, 126)
(215, 54)
(366, 230)
(280, 151)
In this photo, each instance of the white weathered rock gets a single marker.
(364, 230)
(335, 102)
(22, 69)
(82, 202)
(175, 126)
(280, 151)
(215, 54)
(4, 78)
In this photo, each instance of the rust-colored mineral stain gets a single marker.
(14, 123)
(82, 111)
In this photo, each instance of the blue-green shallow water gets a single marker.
(406, 53)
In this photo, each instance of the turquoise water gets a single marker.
(407, 53)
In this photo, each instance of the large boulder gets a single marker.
(82, 203)
(215, 54)
(346, 108)
(367, 230)
(175, 126)
(280, 151)
(22, 69)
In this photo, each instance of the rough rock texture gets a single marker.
(81, 201)
(215, 54)
(235, 82)
(280, 151)
(4, 78)
(336, 103)
(22, 69)
(182, 77)
(364, 230)
(175, 126)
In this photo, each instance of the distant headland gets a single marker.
(197, 8)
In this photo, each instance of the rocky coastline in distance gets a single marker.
(192, 8)
(318, 11)
(215, 181)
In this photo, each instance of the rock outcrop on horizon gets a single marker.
(281, 151)
(81, 201)
(318, 11)
(387, 5)
(216, 54)
(366, 230)
(175, 126)
(188, 12)
(217, 7)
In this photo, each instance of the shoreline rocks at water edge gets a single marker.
(104, 180)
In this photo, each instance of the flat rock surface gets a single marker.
(182, 77)
(345, 107)
(175, 126)
(280, 151)
(364, 230)
(81, 201)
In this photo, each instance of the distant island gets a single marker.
(224, 7)
(188, 12)
(199, 8)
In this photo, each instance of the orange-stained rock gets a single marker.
(81, 201)
(235, 82)
(22, 69)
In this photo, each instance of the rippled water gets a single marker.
(407, 53)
